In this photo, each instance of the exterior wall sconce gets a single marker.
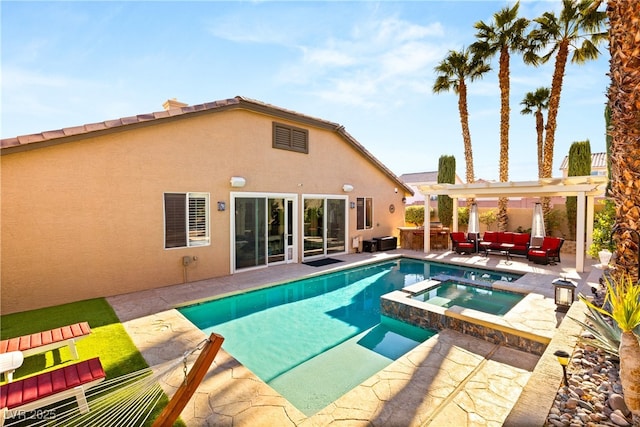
(564, 293)
(347, 188)
(238, 181)
(352, 205)
(222, 206)
(563, 359)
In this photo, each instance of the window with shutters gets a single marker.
(186, 220)
(364, 214)
(290, 138)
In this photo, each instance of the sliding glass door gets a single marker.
(313, 227)
(264, 230)
(336, 225)
(324, 226)
(250, 231)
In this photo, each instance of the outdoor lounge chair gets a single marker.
(35, 392)
(461, 244)
(548, 253)
(41, 342)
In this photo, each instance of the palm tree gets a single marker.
(579, 29)
(504, 35)
(624, 102)
(624, 105)
(453, 71)
(534, 103)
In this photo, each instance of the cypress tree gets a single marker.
(446, 175)
(579, 165)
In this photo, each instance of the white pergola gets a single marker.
(585, 188)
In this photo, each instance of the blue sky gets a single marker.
(365, 65)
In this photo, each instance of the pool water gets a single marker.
(487, 300)
(313, 340)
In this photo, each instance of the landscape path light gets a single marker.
(563, 359)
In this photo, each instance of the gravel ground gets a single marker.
(594, 394)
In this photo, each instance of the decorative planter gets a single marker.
(604, 256)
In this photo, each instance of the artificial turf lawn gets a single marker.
(108, 340)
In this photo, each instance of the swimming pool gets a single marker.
(487, 300)
(313, 340)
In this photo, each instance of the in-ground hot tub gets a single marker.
(412, 305)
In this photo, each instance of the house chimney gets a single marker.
(173, 103)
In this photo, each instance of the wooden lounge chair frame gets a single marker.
(44, 341)
(40, 390)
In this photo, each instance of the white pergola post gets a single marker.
(590, 214)
(580, 232)
(454, 226)
(427, 223)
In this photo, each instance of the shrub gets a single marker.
(414, 215)
(463, 217)
(603, 223)
(606, 334)
(553, 221)
(488, 218)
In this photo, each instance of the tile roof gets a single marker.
(111, 124)
(598, 161)
(419, 177)
(19, 143)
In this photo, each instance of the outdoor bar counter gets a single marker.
(413, 238)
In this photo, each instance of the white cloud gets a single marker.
(369, 61)
(14, 79)
(327, 57)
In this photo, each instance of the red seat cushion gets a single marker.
(537, 252)
(46, 384)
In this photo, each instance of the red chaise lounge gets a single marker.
(50, 387)
(47, 340)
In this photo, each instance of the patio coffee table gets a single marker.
(507, 251)
(485, 247)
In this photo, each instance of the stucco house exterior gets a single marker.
(181, 195)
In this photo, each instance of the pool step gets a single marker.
(420, 287)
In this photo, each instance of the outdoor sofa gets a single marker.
(506, 241)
